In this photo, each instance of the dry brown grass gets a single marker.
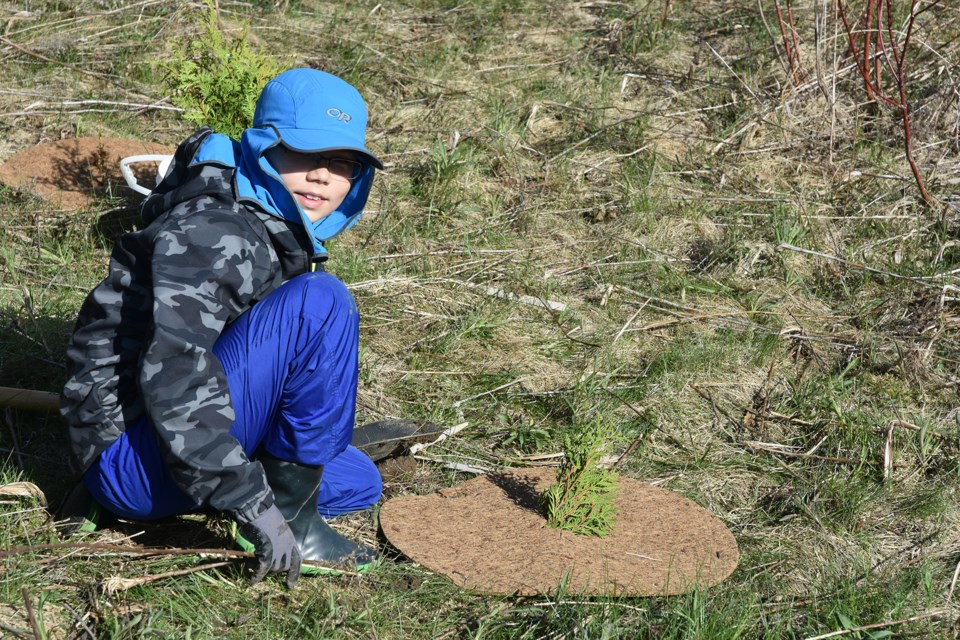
(575, 154)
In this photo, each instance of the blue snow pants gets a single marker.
(291, 364)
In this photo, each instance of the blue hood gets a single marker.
(255, 179)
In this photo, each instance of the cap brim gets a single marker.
(319, 141)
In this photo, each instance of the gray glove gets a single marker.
(276, 548)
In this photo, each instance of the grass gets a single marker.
(751, 281)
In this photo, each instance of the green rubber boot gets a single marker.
(296, 488)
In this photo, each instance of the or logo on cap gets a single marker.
(333, 112)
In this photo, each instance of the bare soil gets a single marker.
(76, 173)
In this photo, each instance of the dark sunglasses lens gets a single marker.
(350, 169)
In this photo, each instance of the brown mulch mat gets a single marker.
(75, 173)
(488, 535)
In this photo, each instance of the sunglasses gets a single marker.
(341, 167)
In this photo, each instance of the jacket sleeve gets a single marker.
(207, 268)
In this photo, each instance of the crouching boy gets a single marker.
(215, 367)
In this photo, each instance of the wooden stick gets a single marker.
(29, 400)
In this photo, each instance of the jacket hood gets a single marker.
(212, 163)
(257, 179)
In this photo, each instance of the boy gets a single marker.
(195, 380)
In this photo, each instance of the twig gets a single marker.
(43, 58)
(593, 603)
(895, 58)
(479, 623)
(730, 69)
(735, 423)
(33, 620)
(460, 403)
(858, 265)
(766, 26)
(515, 297)
(566, 334)
(116, 584)
(535, 65)
(789, 44)
(908, 549)
(628, 323)
(888, 453)
(456, 466)
(145, 552)
(115, 548)
(420, 446)
(8, 418)
(881, 625)
(953, 582)
(660, 324)
(781, 450)
(20, 633)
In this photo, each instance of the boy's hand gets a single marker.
(276, 548)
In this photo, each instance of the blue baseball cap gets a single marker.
(314, 111)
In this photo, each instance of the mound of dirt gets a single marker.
(73, 174)
(488, 535)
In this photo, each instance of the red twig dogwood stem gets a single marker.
(887, 59)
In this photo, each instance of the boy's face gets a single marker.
(318, 182)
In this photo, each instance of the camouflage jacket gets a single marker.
(143, 339)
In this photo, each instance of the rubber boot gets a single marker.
(295, 490)
(78, 512)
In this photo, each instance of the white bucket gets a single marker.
(163, 163)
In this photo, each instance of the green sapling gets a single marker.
(217, 80)
(583, 498)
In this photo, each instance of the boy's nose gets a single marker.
(319, 174)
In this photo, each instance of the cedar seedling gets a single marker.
(217, 80)
(583, 498)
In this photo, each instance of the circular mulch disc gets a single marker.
(487, 535)
(73, 174)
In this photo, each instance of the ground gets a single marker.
(632, 213)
